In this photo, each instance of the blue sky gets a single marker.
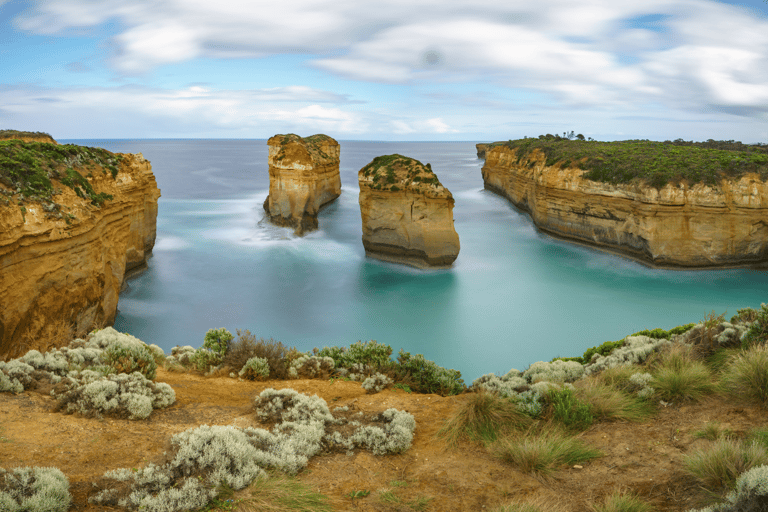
(390, 70)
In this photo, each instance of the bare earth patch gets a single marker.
(643, 457)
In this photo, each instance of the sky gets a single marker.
(479, 70)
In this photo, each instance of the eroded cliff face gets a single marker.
(64, 267)
(481, 149)
(407, 214)
(676, 226)
(303, 176)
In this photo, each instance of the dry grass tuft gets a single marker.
(483, 417)
(746, 375)
(718, 467)
(609, 403)
(283, 493)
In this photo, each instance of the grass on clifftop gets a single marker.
(394, 172)
(16, 134)
(313, 144)
(656, 163)
(29, 169)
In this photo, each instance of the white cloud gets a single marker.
(696, 54)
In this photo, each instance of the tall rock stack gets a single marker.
(303, 176)
(407, 213)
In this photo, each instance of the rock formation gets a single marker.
(303, 176)
(407, 214)
(672, 227)
(26, 136)
(63, 259)
(481, 149)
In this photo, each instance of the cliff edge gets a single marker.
(303, 176)
(678, 224)
(407, 213)
(73, 222)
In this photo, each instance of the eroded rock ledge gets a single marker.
(676, 226)
(303, 176)
(64, 262)
(407, 213)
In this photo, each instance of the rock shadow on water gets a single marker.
(376, 276)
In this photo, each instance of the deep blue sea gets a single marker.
(514, 295)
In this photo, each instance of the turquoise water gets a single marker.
(514, 296)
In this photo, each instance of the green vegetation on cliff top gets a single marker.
(313, 143)
(29, 168)
(15, 134)
(652, 162)
(395, 172)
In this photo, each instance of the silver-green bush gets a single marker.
(34, 489)
(376, 383)
(255, 368)
(749, 495)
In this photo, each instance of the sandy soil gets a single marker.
(644, 457)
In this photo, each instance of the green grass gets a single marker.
(541, 453)
(746, 375)
(622, 502)
(656, 163)
(677, 376)
(483, 417)
(276, 493)
(718, 466)
(712, 431)
(30, 167)
(608, 402)
(569, 410)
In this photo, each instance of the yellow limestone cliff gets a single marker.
(676, 226)
(63, 263)
(303, 176)
(407, 213)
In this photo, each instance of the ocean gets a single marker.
(514, 295)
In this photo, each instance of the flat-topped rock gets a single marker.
(303, 176)
(407, 213)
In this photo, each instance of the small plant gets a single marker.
(622, 502)
(712, 431)
(359, 494)
(215, 346)
(376, 383)
(679, 377)
(746, 375)
(247, 346)
(542, 452)
(283, 493)
(718, 467)
(758, 331)
(569, 410)
(428, 376)
(405, 388)
(749, 495)
(484, 417)
(255, 368)
(34, 489)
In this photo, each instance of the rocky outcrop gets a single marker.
(481, 149)
(407, 213)
(63, 262)
(677, 226)
(303, 176)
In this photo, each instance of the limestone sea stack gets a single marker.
(74, 221)
(303, 176)
(407, 213)
(677, 225)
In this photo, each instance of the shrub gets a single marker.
(376, 383)
(126, 358)
(428, 376)
(247, 347)
(289, 405)
(744, 315)
(183, 355)
(310, 367)
(542, 452)
(123, 395)
(750, 493)
(634, 350)
(555, 371)
(569, 410)
(255, 368)
(509, 385)
(394, 437)
(758, 331)
(484, 417)
(718, 467)
(601, 350)
(746, 375)
(34, 489)
(371, 353)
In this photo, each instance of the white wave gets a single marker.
(170, 243)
